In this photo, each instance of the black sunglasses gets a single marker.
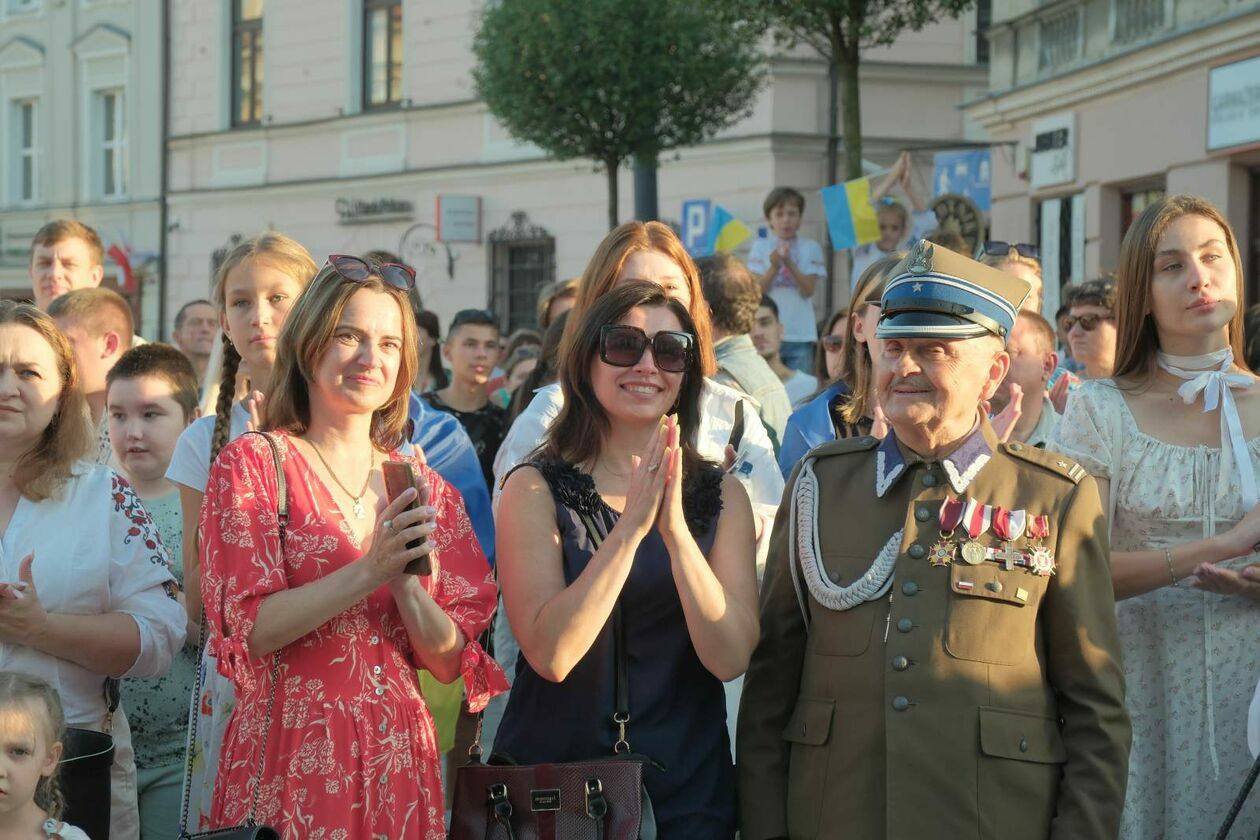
(1088, 322)
(832, 343)
(1003, 249)
(621, 345)
(358, 270)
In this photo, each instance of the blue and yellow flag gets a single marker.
(851, 219)
(725, 231)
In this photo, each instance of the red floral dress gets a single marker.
(351, 749)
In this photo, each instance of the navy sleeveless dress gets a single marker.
(677, 708)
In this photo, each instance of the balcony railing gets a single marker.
(1134, 20)
(1059, 39)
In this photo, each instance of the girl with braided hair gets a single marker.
(254, 288)
(32, 726)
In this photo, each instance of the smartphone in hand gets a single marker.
(398, 477)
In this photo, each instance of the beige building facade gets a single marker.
(1096, 107)
(355, 125)
(81, 134)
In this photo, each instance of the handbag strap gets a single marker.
(621, 670)
(282, 521)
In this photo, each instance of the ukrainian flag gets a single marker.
(851, 219)
(725, 231)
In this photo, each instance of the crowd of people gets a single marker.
(936, 565)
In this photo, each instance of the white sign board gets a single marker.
(1234, 104)
(1054, 151)
(458, 218)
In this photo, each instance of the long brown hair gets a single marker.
(610, 258)
(855, 360)
(284, 254)
(18, 689)
(1136, 339)
(579, 432)
(43, 469)
(308, 329)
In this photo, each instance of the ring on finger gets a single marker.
(388, 525)
(653, 467)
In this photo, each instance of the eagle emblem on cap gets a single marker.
(921, 257)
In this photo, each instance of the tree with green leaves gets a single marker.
(839, 30)
(615, 80)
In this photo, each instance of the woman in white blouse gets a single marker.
(85, 589)
(1174, 442)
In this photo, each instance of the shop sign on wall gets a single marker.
(458, 218)
(1234, 104)
(361, 211)
(1054, 151)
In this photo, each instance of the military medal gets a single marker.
(1041, 562)
(1009, 526)
(977, 518)
(942, 553)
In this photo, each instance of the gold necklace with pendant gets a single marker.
(357, 508)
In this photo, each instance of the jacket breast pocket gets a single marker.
(841, 632)
(992, 613)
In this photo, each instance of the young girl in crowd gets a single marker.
(150, 398)
(31, 729)
(254, 288)
(1173, 439)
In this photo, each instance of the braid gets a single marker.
(49, 795)
(227, 393)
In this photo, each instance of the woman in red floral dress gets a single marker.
(350, 747)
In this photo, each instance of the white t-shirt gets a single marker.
(800, 387)
(796, 312)
(190, 464)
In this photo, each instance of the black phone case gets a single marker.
(421, 565)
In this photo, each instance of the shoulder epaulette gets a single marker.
(1047, 459)
(844, 446)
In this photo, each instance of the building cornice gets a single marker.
(872, 70)
(1186, 49)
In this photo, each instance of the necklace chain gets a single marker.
(357, 507)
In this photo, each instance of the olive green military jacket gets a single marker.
(968, 701)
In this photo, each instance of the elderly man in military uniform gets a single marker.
(938, 654)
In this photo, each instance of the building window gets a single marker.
(984, 19)
(247, 62)
(1059, 39)
(26, 146)
(382, 52)
(522, 261)
(1136, 19)
(23, 7)
(111, 125)
(1135, 202)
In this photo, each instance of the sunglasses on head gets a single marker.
(621, 345)
(1088, 322)
(358, 270)
(1003, 249)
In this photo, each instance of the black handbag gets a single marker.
(603, 798)
(251, 830)
(86, 763)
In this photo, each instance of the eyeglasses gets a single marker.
(1088, 322)
(832, 343)
(621, 345)
(358, 270)
(1003, 249)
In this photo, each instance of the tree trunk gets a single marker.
(645, 204)
(852, 103)
(611, 167)
(833, 168)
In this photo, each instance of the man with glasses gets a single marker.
(1091, 327)
(471, 349)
